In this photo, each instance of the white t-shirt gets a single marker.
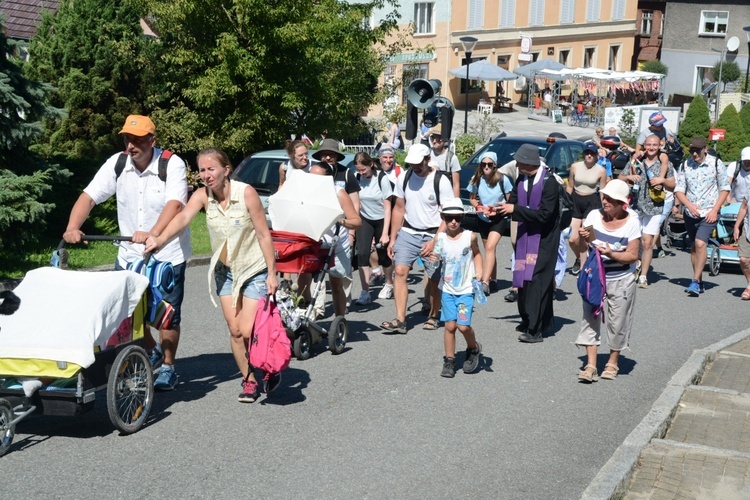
(458, 263)
(617, 239)
(421, 208)
(455, 166)
(374, 191)
(141, 197)
(741, 183)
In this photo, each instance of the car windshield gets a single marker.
(260, 173)
(505, 150)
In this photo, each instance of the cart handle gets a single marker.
(62, 252)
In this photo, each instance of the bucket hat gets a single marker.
(617, 190)
(331, 145)
(528, 154)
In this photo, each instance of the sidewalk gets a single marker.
(694, 443)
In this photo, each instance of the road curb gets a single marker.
(614, 477)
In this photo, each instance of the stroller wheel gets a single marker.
(130, 389)
(337, 335)
(666, 242)
(7, 430)
(302, 345)
(714, 261)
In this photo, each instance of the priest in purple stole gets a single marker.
(534, 204)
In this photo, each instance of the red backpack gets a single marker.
(270, 347)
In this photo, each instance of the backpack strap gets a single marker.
(381, 174)
(163, 162)
(438, 174)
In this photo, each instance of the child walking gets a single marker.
(459, 251)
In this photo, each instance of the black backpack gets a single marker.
(381, 174)
(163, 161)
(436, 183)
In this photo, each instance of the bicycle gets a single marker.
(576, 119)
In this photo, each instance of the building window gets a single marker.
(588, 56)
(474, 85)
(411, 73)
(563, 57)
(647, 20)
(508, 14)
(567, 11)
(423, 18)
(713, 22)
(536, 14)
(618, 10)
(703, 78)
(612, 63)
(476, 14)
(592, 11)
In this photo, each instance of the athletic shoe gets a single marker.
(167, 379)
(701, 287)
(376, 275)
(486, 288)
(472, 359)
(694, 289)
(364, 299)
(576, 268)
(661, 254)
(449, 367)
(249, 392)
(271, 382)
(386, 292)
(642, 282)
(493, 286)
(155, 356)
(512, 296)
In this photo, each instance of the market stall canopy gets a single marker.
(483, 70)
(528, 69)
(598, 74)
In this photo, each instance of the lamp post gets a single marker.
(747, 71)
(468, 42)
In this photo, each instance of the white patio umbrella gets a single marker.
(483, 70)
(539, 65)
(306, 204)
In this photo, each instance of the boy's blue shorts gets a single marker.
(457, 308)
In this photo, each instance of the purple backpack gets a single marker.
(592, 282)
(270, 347)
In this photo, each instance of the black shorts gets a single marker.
(698, 229)
(582, 205)
(499, 225)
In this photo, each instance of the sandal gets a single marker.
(431, 323)
(589, 374)
(745, 294)
(394, 325)
(611, 371)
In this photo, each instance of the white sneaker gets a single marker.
(386, 292)
(364, 299)
(376, 274)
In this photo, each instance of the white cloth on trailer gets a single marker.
(64, 314)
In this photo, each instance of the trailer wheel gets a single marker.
(714, 261)
(130, 390)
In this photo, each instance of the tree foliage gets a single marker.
(655, 66)
(243, 74)
(734, 137)
(730, 71)
(745, 119)
(697, 121)
(24, 178)
(95, 55)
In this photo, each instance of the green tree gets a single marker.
(628, 128)
(95, 55)
(745, 119)
(730, 72)
(697, 121)
(734, 137)
(24, 177)
(243, 74)
(655, 66)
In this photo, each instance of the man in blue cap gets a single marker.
(669, 143)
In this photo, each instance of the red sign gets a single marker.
(716, 134)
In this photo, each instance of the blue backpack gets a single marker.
(592, 282)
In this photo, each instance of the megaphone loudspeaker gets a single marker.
(422, 92)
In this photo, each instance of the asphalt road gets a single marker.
(378, 421)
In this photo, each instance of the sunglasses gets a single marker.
(436, 138)
(487, 164)
(451, 218)
(695, 150)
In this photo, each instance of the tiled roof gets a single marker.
(22, 17)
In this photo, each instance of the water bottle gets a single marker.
(478, 292)
(637, 185)
(378, 246)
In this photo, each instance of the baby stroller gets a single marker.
(75, 333)
(673, 230)
(721, 247)
(296, 253)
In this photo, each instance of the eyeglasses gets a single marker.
(436, 138)
(451, 218)
(487, 164)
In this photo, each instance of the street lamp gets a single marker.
(468, 42)
(747, 71)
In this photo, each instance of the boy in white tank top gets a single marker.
(462, 261)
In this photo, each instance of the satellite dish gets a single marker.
(733, 44)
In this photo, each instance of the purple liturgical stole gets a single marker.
(529, 236)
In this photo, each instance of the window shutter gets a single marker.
(476, 14)
(568, 12)
(618, 10)
(508, 14)
(536, 17)
(592, 13)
